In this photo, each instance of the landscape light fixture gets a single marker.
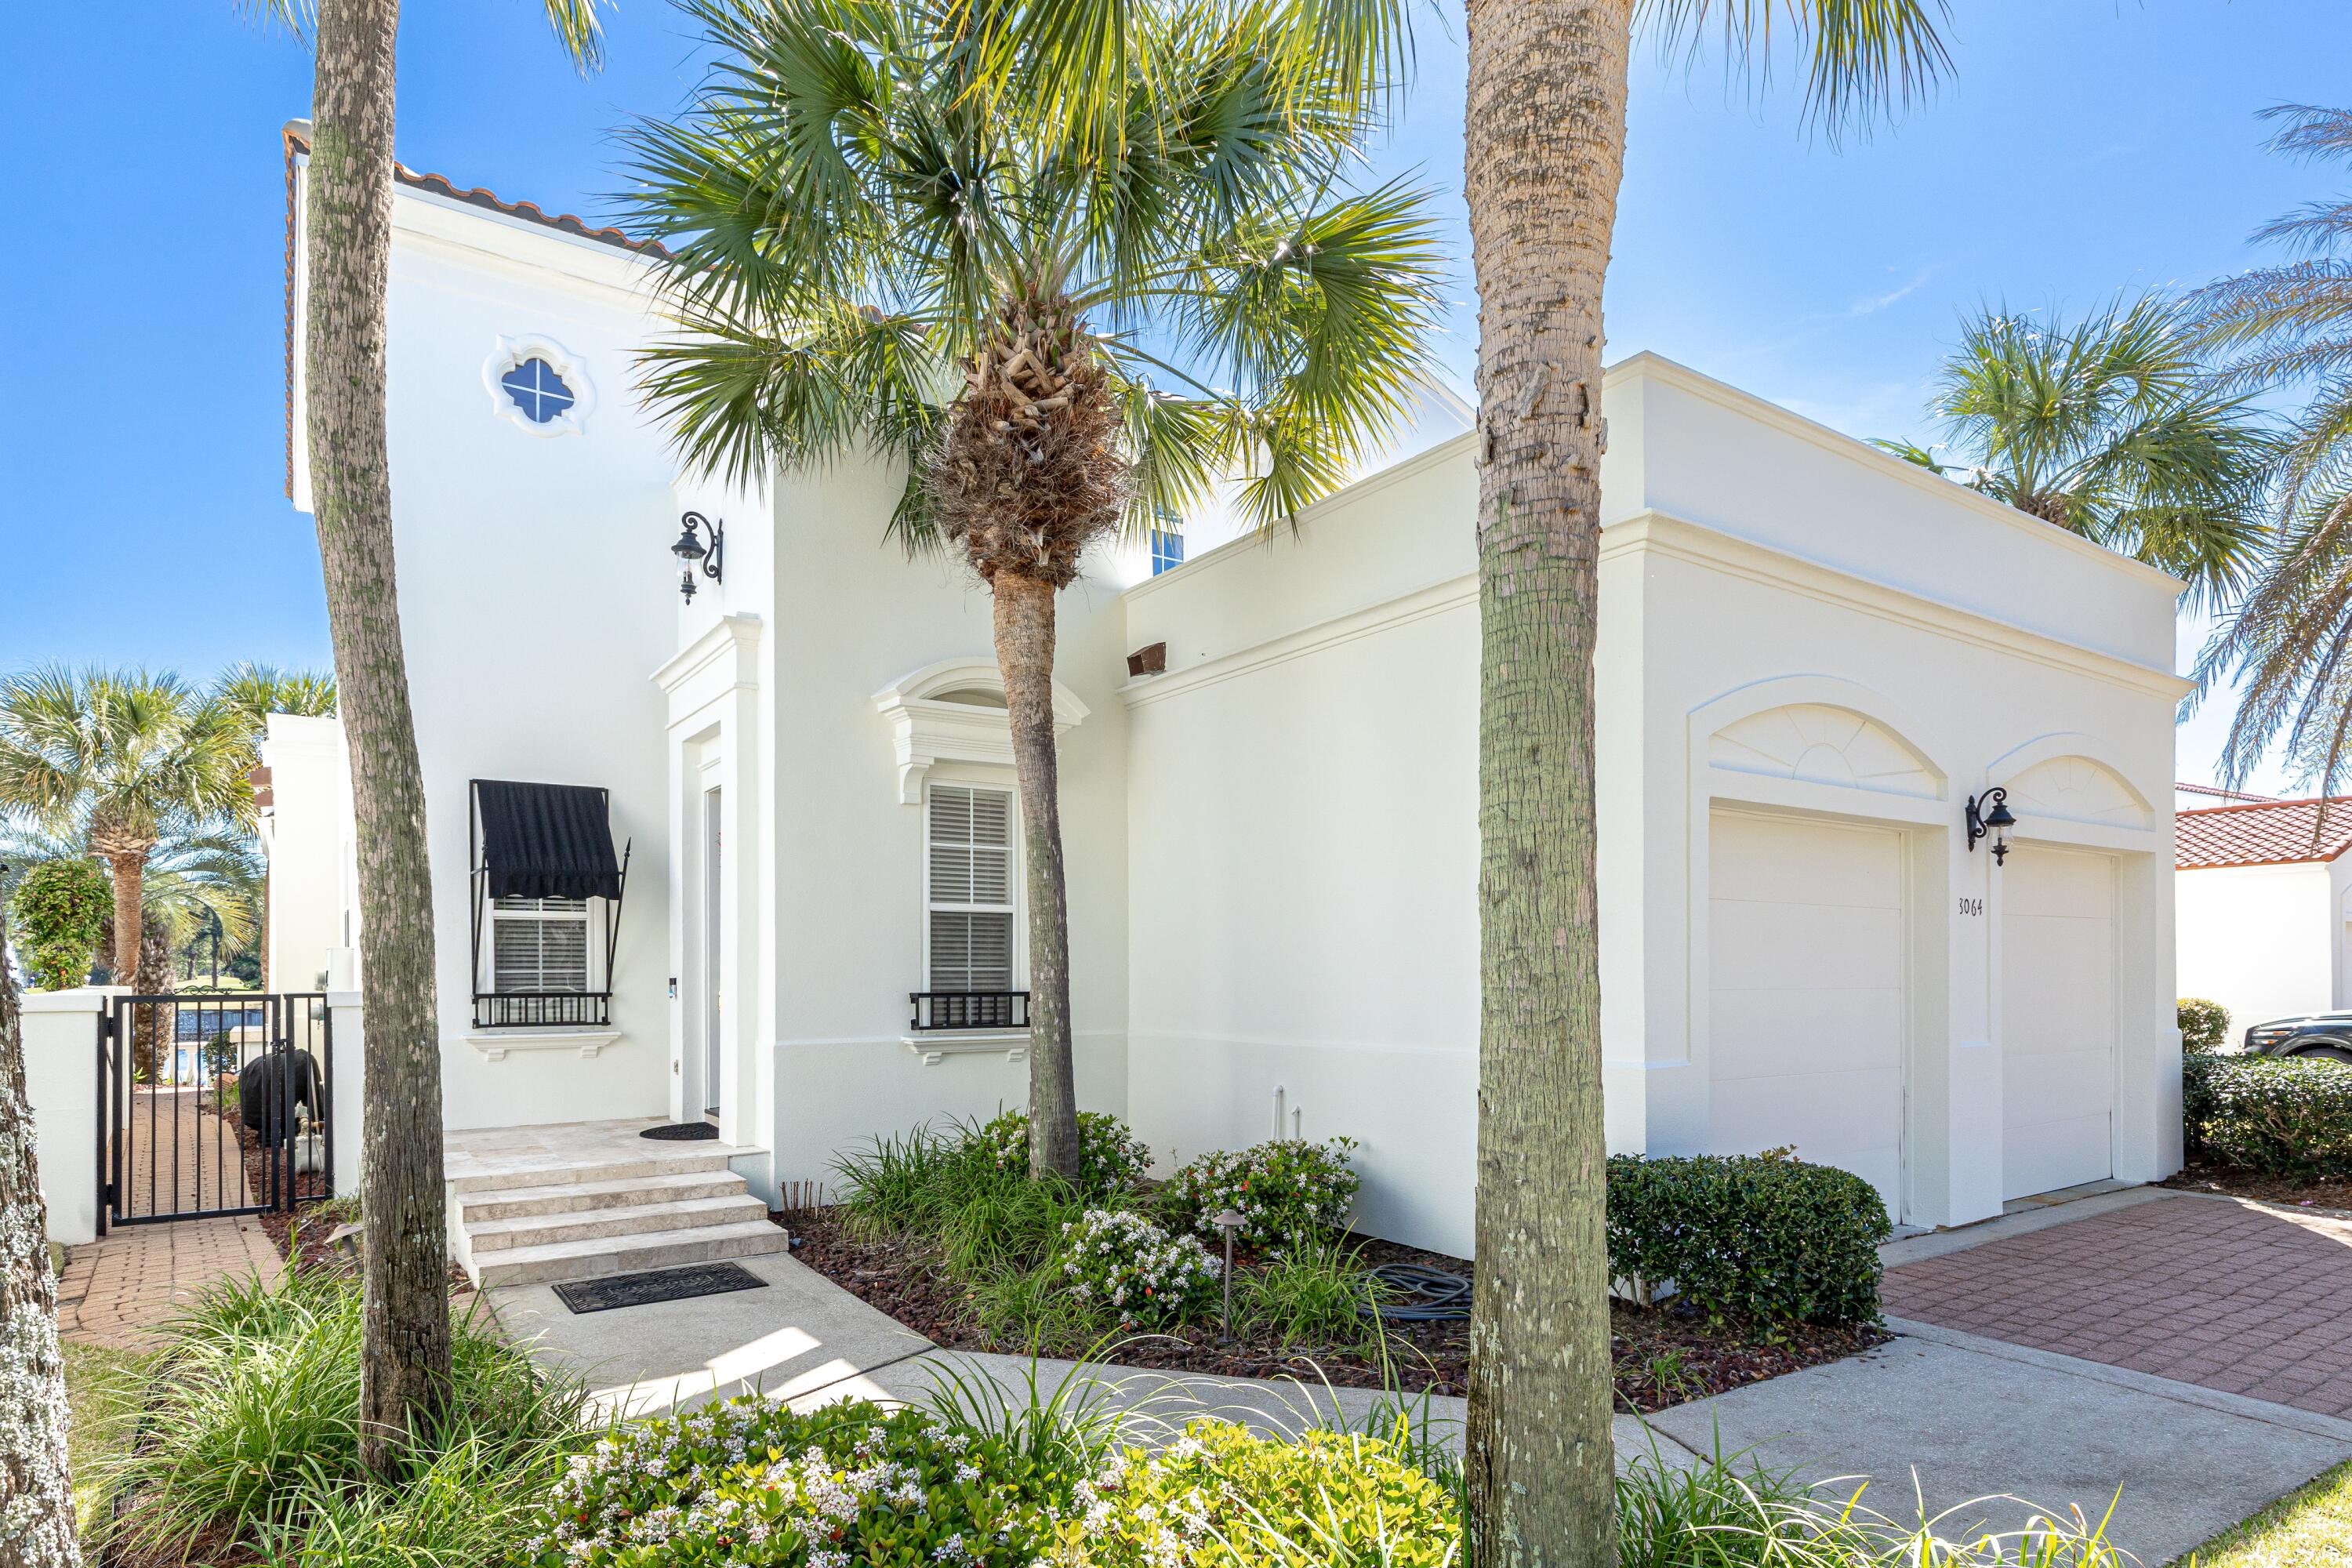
(1228, 1222)
(1989, 813)
(690, 549)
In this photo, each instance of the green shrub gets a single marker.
(61, 906)
(1112, 1158)
(1280, 1189)
(2285, 1116)
(252, 1414)
(2204, 1026)
(1312, 1291)
(1763, 1239)
(753, 1482)
(1220, 1496)
(1144, 1277)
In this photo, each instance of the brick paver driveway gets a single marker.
(2226, 1295)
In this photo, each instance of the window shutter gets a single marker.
(539, 944)
(970, 864)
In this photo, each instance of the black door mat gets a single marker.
(682, 1132)
(657, 1285)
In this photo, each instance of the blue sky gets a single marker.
(2079, 148)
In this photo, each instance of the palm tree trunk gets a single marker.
(1545, 137)
(404, 1326)
(1025, 656)
(129, 867)
(35, 1489)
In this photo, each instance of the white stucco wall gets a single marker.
(1303, 791)
(535, 592)
(307, 835)
(2260, 940)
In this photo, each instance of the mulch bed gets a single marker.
(1664, 1355)
(2296, 1192)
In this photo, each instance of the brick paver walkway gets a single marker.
(2222, 1294)
(180, 1155)
(118, 1290)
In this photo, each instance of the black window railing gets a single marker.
(969, 1010)
(542, 1009)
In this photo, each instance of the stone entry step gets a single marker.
(534, 1205)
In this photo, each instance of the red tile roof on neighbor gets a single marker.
(297, 146)
(2220, 795)
(2268, 833)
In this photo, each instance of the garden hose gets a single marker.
(1414, 1293)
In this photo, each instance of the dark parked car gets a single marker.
(2325, 1034)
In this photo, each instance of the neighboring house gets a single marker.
(1812, 657)
(2263, 903)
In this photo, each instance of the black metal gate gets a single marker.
(214, 1102)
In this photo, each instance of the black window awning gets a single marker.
(546, 841)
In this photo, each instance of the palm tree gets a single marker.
(405, 1331)
(127, 759)
(1545, 153)
(1069, 266)
(2290, 325)
(2110, 428)
(37, 1494)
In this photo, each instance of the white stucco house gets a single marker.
(2263, 904)
(1814, 658)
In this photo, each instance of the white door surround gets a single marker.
(713, 940)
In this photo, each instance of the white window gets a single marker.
(537, 945)
(968, 935)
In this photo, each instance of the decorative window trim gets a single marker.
(511, 353)
(928, 729)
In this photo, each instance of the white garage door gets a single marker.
(2057, 1019)
(1806, 983)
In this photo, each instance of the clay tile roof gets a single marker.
(2269, 833)
(298, 145)
(2240, 796)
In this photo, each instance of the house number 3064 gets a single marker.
(1971, 906)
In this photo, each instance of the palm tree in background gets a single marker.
(347, 245)
(191, 878)
(124, 759)
(1544, 149)
(2110, 428)
(1072, 266)
(2289, 326)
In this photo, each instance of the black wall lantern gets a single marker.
(690, 549)
(1989, 813)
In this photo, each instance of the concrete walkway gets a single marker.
(1937, 1419)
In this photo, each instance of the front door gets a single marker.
(713, 926)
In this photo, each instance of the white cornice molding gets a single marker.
(1660, 534)
(1435, 599)
(927, 728)
(724, 658)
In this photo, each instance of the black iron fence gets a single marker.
(969, 1010)
(213, 1103)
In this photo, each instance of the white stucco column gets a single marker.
(347, 1075)
(61, 1081)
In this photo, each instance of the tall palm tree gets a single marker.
(404, 1323)
(2290, 326)
(1545, 154)
(1070, 265)
(2110, 428)
(126, 758)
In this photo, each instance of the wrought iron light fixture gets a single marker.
(690, 549)
(1989, 813)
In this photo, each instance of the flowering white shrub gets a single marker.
(1281, 1190)
(751, 1482)
(1119, 1260)
(1220, 1496)
(1112, 1158)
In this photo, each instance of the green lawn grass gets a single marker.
(101, 1385)
(2308, 1528)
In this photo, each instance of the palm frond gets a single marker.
(1861, 56)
